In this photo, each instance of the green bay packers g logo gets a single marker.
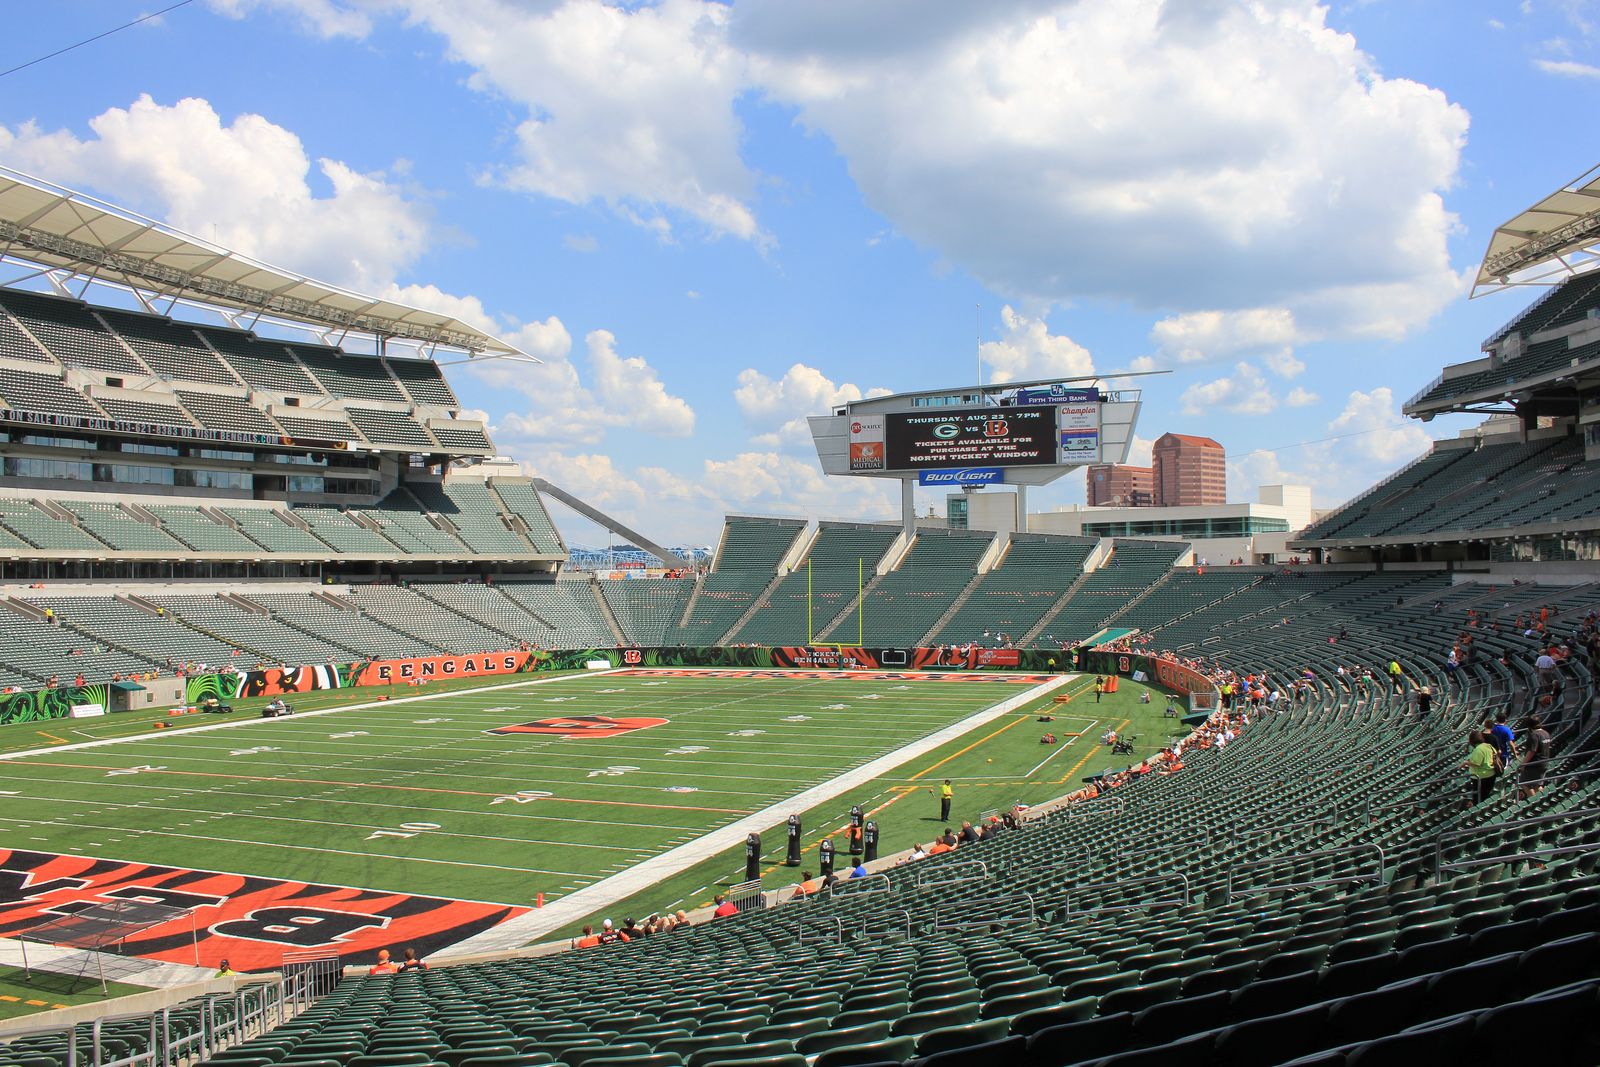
(946, 430)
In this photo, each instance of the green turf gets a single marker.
(987, 768)
(16, 737)
(42, 991)
(414, 796)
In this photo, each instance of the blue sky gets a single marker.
(711, 219)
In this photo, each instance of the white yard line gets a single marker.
(253, 720)
(516, 932)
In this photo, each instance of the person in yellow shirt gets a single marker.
(947, 795)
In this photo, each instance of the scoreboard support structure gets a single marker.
(1017, 434)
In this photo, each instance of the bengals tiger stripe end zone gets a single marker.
(248, 921)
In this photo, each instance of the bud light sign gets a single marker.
(970, 476)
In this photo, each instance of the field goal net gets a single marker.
(98, 929)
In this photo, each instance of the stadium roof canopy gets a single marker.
(59, 229)
(1549, 242)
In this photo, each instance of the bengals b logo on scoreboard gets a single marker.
(997, 428)
(632, 656)
(572, 727)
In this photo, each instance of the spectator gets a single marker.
(1424, 701)
(969, 836)
(608, 933)
(680, 921)
(724, 908)
(1535, 758)
(1504, 741)
(589, 939)
(409, 961)
(225, 971)
(1480, 766)
(807, 887)
(859, 870)
(384, 965)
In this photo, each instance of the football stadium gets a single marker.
(324, 742)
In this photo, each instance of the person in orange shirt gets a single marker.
(808, 885)
(588, 940)
(384, 965)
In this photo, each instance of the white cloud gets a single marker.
(324, 18)
(1199, 336)
(1028, 350)
(245, 185)
(559, 406)
(580, 242)
(1384, 435)
(803, 390)
(1284, 364)
(1567, 68)
(1171, 155)
(631, 386)
(1245, 392)
(631, 106)
(1140, 451)
(1300, 398)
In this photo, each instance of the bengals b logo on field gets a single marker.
(580, 726)
(632, 655)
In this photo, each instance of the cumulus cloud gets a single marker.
(1567, 68)
(1200, 336)
(246, 184)
(1300, 398)
(1244, 392)
(1384, 435)
(1164, 154)
(557, 405)
(324, 18)
(1028, 350)
(802, 390)
(630, 106)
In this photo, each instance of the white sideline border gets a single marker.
(517, 932)
(257, 720)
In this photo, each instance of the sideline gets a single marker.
(530, 926)
(256, 720)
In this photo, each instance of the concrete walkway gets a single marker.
(55, 959)
(514, 933)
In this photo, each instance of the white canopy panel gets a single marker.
(1549, 242)
(61, 229)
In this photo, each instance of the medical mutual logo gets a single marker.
(969, 476)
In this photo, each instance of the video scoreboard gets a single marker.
(1063, 430)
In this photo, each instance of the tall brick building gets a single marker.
(1119, 485)
(1189, 471)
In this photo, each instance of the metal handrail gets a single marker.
(1127, 882)
(1449, 837)
(860, 887)
(822, 922)
(1277, 861)
(988, 907)
(929, 877)
(864, 929)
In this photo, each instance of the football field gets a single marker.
(495, 794)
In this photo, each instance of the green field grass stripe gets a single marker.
(572, 907)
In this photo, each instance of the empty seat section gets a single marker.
(352, 377)
(171, 349)
(41, 650)
(226, 413)
(262, 364)
(121, 530)
(198, 531)
(15, 344)
(746, 562)
(404, 523)
(461, 438)
(385, 427)
(568, 605)
(1133, 566)
(422, 379)
(161, 639)
(344, 533)
(71, 332)
(647, 609)
(476, 514)
(843, 557)
(903, 603)
(344, 625)
(42, 530)
(274, 532)
(43, 392)
(1035, 570)
(490, 606)
(275, 640)
(405, 610)
(133, 409)
(325, 426)
(524, 501)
